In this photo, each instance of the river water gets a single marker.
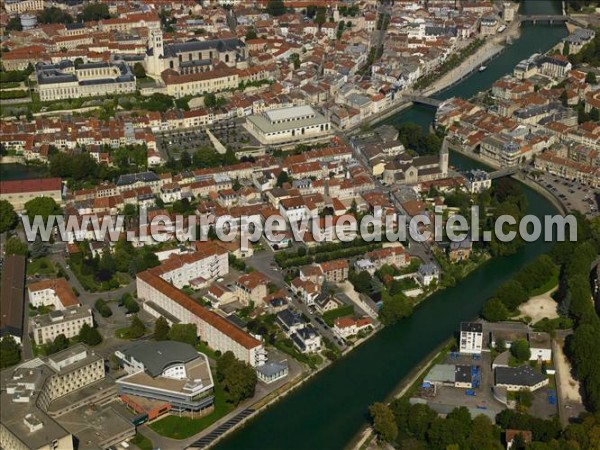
(328, 411)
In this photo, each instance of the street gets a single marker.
(264, 262)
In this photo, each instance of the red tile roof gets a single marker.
(198, 310)
(31, 185)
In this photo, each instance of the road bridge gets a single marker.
(551, 19)
(423, 100)
(505, 172)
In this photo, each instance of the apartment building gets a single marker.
(335, 271)
(196, 268)
(56, 292)
(65, 80)
(47, 327)
(471, 337)
(288, 125)
(160, 295)
(252, 287)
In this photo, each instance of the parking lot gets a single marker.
(448, 398)
(230, 133)
(574, 195)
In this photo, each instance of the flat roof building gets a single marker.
(47, 327)
(30, 388)
(166, 373)
(288, 125)
(519, 378)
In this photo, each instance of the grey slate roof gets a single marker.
(519, 376)
(157, 356)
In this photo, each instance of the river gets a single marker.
(328, 411)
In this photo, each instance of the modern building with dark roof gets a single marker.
(164, 376)
(12, 297)
(519, 378)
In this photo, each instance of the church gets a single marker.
(194, 56)
(407, 169)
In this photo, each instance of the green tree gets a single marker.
(384, 423)
(237, 378)
(161, 329)
(39, 248)
(103, 308)
(136, 328)
(276, 8)
(89, 335)
(184, 332)
(566, 48)
(512, 294)
(494, 311)
(321, 16)
(95, 12)
(251, 34)
(14, 246)
(394, 308)
(139, 71)
(520, 350)
(282, 178)
(295, 60)
(42, 207)
(14, 24)
(54, 15)
(60, 343)
(590, 78)
(10, 352)
(210, 100)
(8, 216)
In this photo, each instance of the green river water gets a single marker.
(328, 411)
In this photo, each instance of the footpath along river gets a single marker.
(328, 411)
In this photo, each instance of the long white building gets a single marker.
(288, 125)
(65, 80)
(159, 287)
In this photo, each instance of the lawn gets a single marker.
(342, 311)
(142, 442)
(42, 266)
(176, 427)
(204, 348)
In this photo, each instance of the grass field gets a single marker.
(183, 427)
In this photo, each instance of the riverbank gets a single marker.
(363, 439)
(556, 202)
(487, 52)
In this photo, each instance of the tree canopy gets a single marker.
(384, 423)
(10, 352)
(42, 207)
(8, 216)
(237, 378)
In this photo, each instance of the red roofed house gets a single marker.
(335, 271)
(348, 326)
(252, 287)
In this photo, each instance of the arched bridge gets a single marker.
(423, 100)
(551, 19)
(505, 172)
